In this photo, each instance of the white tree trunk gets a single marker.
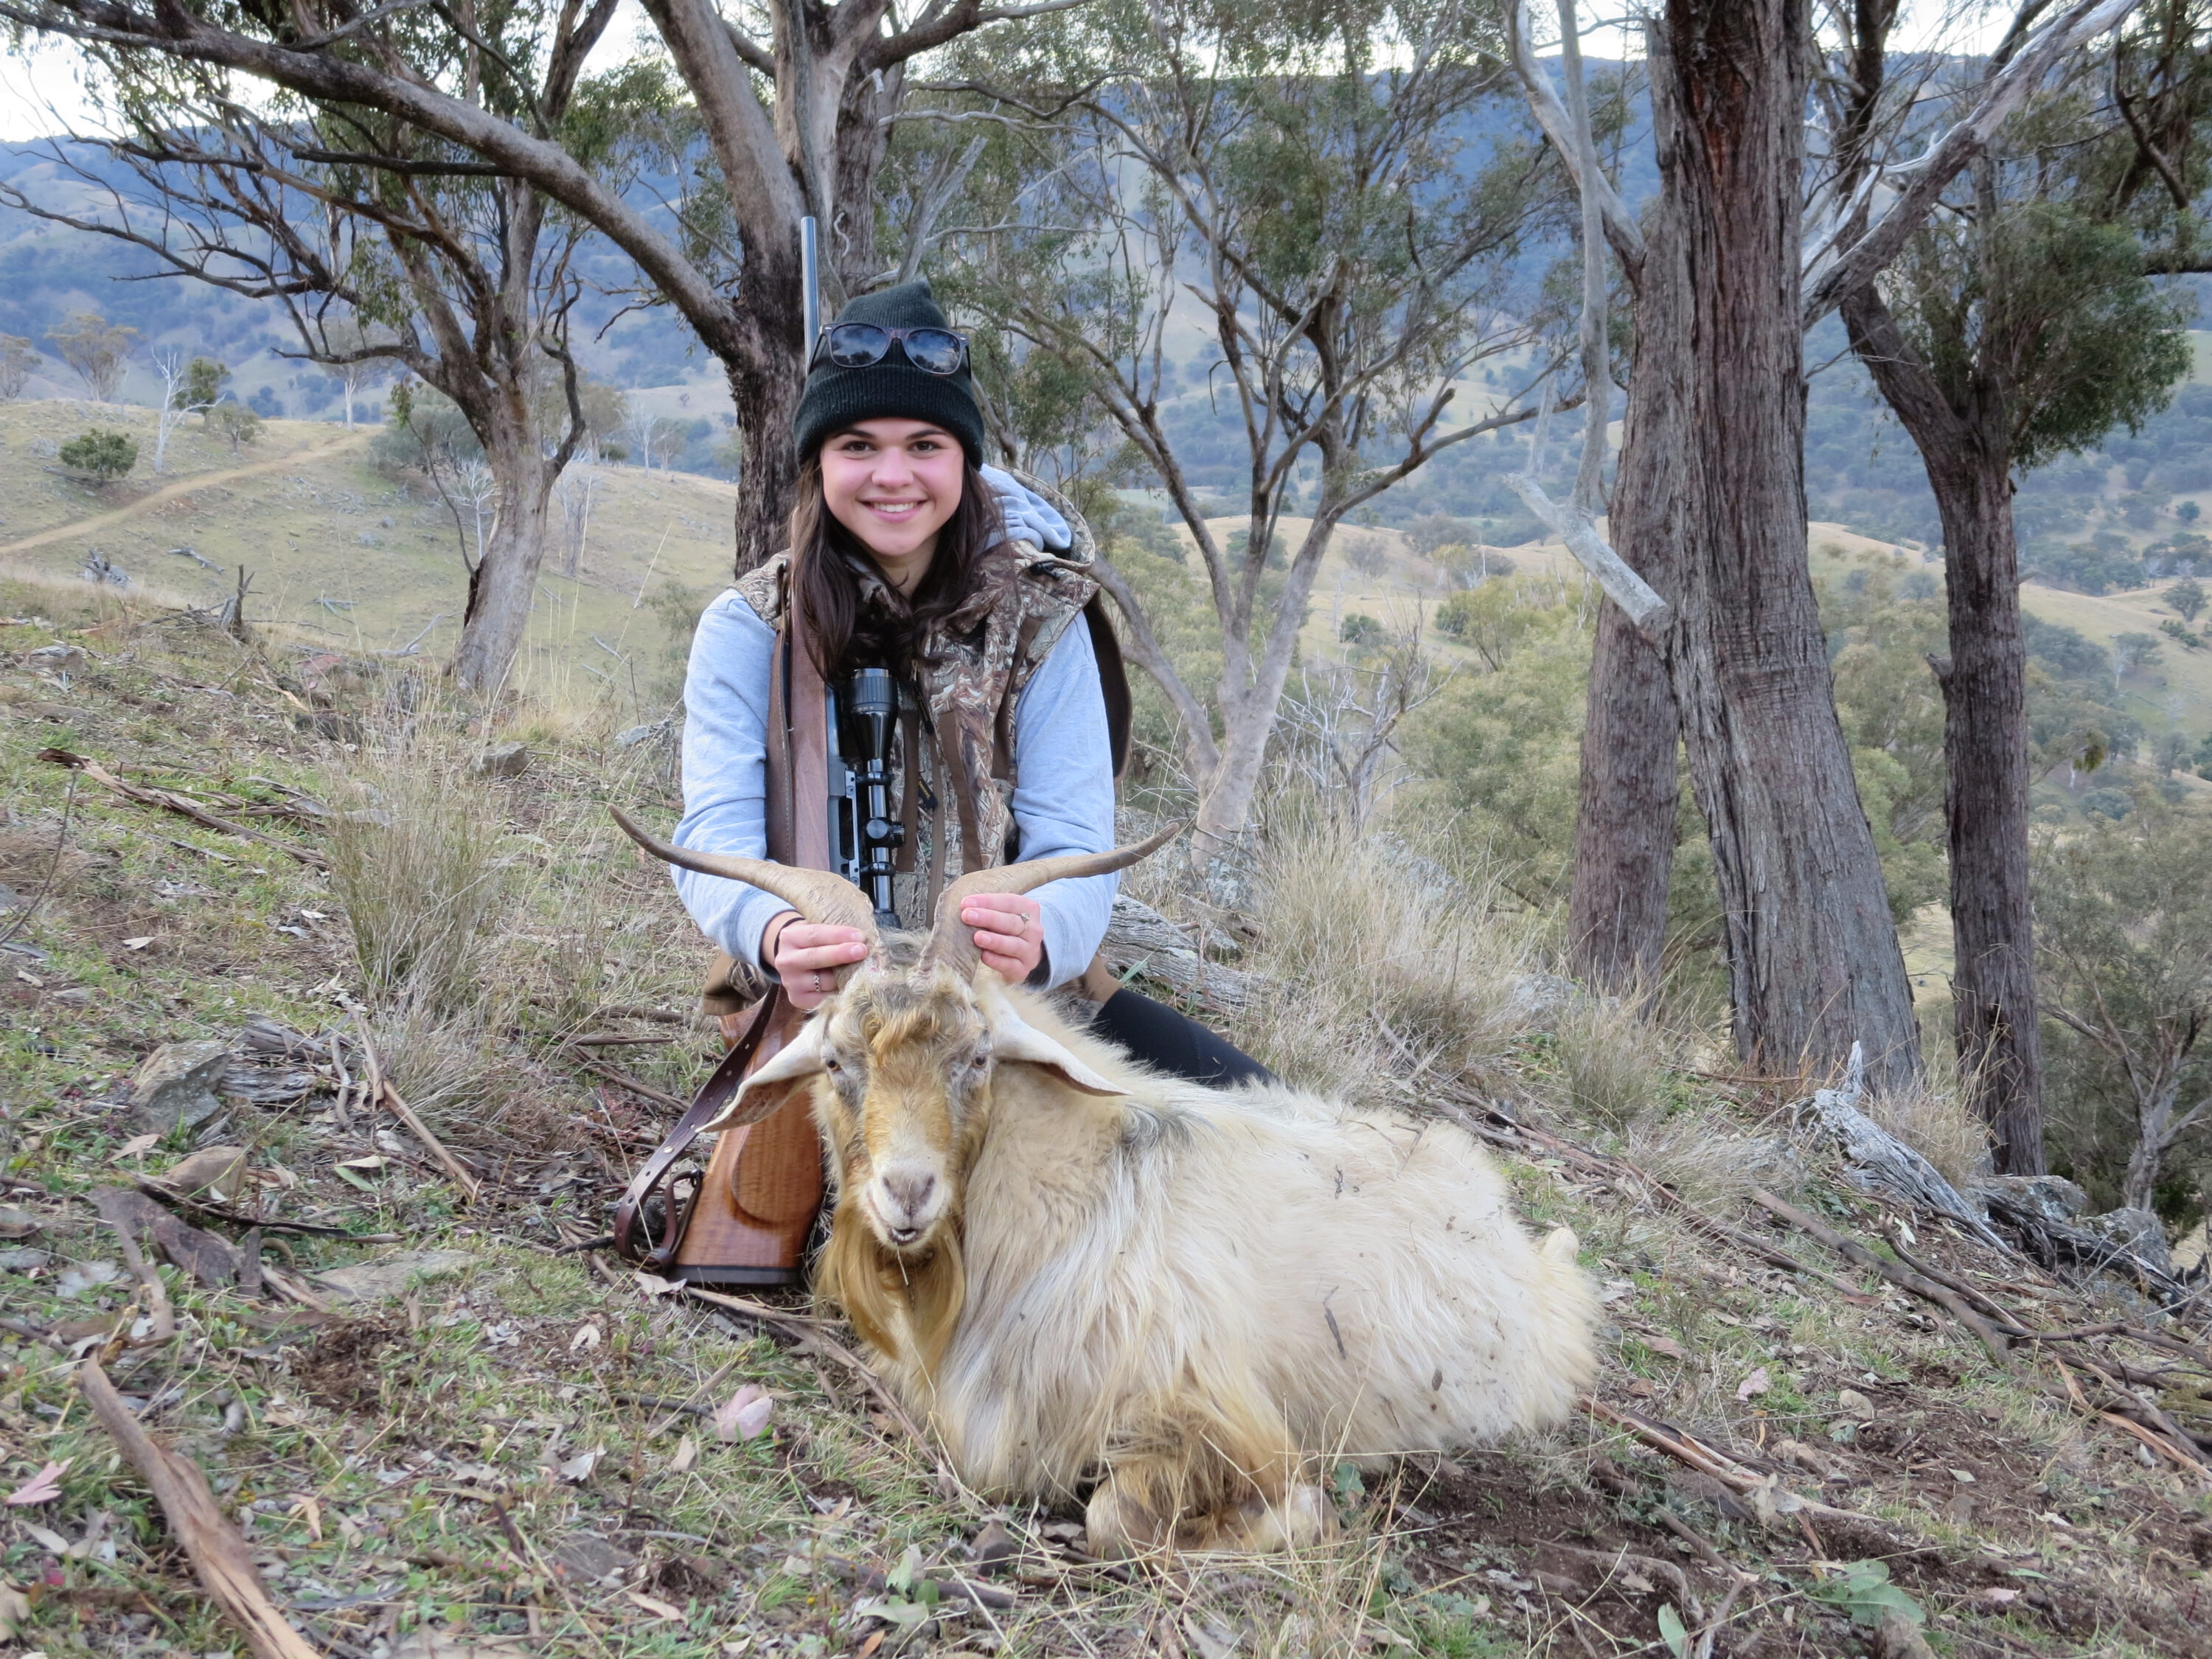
(506, 580)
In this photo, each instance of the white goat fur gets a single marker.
(1169, 1277)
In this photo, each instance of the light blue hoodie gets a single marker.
(1063, 798)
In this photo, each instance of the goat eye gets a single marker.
(980, 1062)
(833, 1065)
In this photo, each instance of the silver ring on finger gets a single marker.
(818, 983)
(1021, 924)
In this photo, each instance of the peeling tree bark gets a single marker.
(1813, 961)
(1631, 736)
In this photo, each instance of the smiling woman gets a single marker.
(907, 553)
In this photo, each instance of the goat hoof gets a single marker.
(1298, 1520)
(1116, 1526)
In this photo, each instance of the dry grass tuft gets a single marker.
(1936, 1122)
(416, 859)
(1612, 1066)
(1379, 959)
(444, 1064)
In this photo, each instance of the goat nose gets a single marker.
(909, 1191)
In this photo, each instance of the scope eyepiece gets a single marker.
(872, 692)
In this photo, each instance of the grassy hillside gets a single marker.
(443, 1429)
(339, 552)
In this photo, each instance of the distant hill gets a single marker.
(48, 271)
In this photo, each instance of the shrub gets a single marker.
(236, 422)
(2111, 804)
(104, 455)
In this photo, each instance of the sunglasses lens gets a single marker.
(934, 350)
(856, 345)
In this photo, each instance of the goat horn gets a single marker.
(954, 945)
(817, 895)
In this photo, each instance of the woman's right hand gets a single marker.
(806, 955)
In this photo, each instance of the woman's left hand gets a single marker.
(1009, 931)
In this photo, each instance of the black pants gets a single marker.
(1161, 1037)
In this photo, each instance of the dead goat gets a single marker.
(1181, 1300)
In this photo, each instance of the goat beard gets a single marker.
(905, 1306)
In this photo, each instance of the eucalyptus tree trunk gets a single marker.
(1966, 448)
(503, 586)
(1813, 960)
(1625, 820)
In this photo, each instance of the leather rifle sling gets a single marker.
(763, 1185)
(749, 1217)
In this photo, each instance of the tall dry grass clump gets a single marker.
(415, 859)
(1377, 959)
(419, 860)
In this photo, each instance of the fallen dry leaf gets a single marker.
(138, 944)
(136, 1147)
(1666, 1346)
(44, 1487)
(687, 1454)
(14, 1611)
(578, 1470)
(586, 1336)
(656, 1607)
(1753, 1385)
(1851, 1400)
(744, 1414)
(220, 1171)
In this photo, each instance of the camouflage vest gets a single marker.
(956, 731)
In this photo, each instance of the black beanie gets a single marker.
(892, 389)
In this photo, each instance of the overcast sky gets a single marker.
(41, 92)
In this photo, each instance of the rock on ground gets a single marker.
(174, 1087)
(392, 1275)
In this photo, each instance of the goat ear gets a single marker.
(763, 1091)
(1012, 1038)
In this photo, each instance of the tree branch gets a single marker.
(1621, 229)
(1885, 237)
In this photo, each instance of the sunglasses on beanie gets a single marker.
(856, 345)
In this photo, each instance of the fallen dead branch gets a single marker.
(1881, 1160)
(1767, 1496)
(1502, 1131)
(643, 1090)
(169, 801)
(156, 1188)
(163, 1316)
(1896, 1273)
(472, 1188)
(218, 1553)
(2140, 1418)
(380, 1089)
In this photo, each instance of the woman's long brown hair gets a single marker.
(827, 560)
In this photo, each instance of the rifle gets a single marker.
(864, 838)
